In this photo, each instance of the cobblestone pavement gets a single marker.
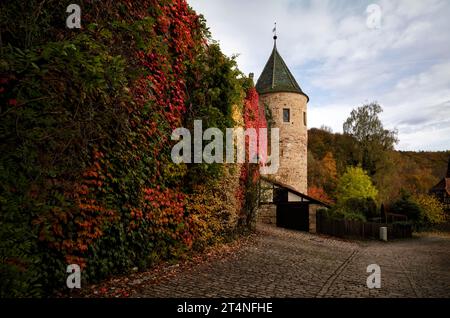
(285, 263)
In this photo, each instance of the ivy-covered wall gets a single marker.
(86, 117)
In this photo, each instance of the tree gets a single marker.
(373, 139)
(329, 165)
(355, 183)
(319, 194)
(432, 210)
(406, 206)
(322, 173)
(328, 129)
(343, 147)
(313, 169)
(320, 142)
(329, 173)
(422, 209)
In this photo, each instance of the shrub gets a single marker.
(353, 216)
(432, 210)
(364, 206)
(422, 209)
(406, 206)
(340, 212)
(330, 213)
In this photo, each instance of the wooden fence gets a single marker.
(358, 229)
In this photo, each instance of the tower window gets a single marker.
(304, 118)
(286, 115)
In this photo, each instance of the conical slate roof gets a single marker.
(276, 77)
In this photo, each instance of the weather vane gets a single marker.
(274, 31)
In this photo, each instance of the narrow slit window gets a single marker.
(286, 115)
(304, 118)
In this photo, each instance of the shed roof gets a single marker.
(294, 191)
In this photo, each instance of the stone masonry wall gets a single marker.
(313, 217)
(267, 214)
(293, 137)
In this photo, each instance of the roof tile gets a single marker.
(276, 77)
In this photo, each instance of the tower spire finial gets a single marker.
(274, 31)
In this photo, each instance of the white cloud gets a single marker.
(341, 63)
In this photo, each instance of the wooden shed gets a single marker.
(284, 206)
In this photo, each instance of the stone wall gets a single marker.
(267, 214)
(293, 137)
(313, 217)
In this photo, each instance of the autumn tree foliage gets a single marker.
(319, 194)
(432, 210)
(85, 123)
(415, 172)
(355, 183)
(422, 209)
(322, 176)
(254, 118)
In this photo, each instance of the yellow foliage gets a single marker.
(432, 210)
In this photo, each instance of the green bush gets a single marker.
(364, 206)
(353, 216)
(358, 209)
(421, 209)
(340, 212)
(406, 206)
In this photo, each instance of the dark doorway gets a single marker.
(293, 215)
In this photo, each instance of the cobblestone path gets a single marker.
(284, 263)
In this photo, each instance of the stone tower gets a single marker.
(279, 91)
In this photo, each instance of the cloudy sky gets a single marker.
(346, 53)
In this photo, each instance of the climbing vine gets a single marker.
(85, 124)
(254, 117)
